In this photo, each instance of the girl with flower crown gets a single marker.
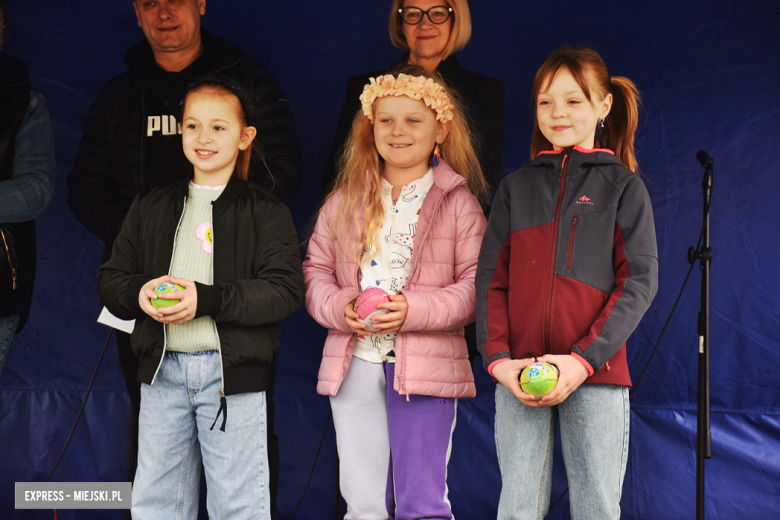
(399, 218)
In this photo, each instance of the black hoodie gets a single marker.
(118, 159)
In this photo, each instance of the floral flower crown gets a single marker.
(415, 87)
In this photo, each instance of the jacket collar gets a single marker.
(580, 159)
(445, 178)
(579, 149)
(217, 53)
(446, 67)
(233, 188)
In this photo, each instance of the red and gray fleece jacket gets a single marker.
(569, 263)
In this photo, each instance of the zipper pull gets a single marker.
(566, 154)
(222, 410)
(13, 274)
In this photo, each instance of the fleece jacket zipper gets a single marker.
(553, 251)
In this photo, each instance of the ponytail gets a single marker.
(621, 123)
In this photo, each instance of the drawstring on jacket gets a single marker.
(222, 410)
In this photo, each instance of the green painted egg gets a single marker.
(158, 303)
(539, 379)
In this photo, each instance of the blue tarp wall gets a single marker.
(710, 76)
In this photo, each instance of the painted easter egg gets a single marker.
(539, 379)
(366, 303)
(166, 287)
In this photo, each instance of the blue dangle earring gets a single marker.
(436, 155)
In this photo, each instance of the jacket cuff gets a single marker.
(492, 365)
(133, 291)
(585, 363)
(342, 300)
(209, 300)
(414, 320)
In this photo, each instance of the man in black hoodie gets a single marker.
(132, 142)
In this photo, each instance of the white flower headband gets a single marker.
(415, 87)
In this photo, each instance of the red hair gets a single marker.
(590, 73)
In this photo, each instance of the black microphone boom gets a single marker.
(704, 159)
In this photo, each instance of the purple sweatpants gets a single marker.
(391, 450)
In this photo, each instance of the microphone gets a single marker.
(704, 159)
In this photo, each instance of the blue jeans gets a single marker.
(8, 327)
(594, 436)
(174, 438)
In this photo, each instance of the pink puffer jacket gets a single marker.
(431, 354)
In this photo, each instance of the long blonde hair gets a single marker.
(590, 73)
(359, 173)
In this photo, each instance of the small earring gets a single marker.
(436, 155)
(380, 158)
(602, 122)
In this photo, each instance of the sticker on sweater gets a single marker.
(204, 234)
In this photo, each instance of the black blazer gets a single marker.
(484, 100)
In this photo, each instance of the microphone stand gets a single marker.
(704, 255)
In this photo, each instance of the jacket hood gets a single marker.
(217, 54)
(579, 158)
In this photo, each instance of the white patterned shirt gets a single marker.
(389, 268)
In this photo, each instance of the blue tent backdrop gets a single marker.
(709, 73)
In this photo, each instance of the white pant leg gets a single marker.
(363, 441)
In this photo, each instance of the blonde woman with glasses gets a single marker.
(431, 32)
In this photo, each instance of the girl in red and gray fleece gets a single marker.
(567, 269)
(399, 218)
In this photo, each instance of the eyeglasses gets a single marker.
(414, 15)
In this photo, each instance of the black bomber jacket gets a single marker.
(257, 280)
